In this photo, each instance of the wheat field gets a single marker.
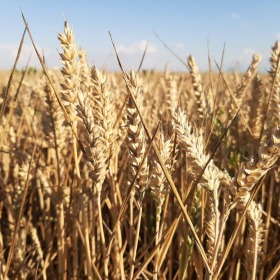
(139, 174)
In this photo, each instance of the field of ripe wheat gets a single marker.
(140, 174)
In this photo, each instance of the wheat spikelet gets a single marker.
(85, 80)
(96, 157)
(248, 76)
(257, 115)
(104, 110)
(171, 96)
(199, 93)
(55, 129)
(20, 249)
(70, 69)
(37, 244)
(253, 246)
(136, 138)
(22, 176)
(275, 77)
(158, 181)
(195, 153)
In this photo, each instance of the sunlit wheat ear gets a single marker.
(258, 107)
(253, 246)
(85, 81)
(70, 69)
(171, 96)
(200, 98)
(136, 137)
(159, 187)
(56, 125)
(248, 76)
(96, 158)
(193, 145)
(104, 110)
(56, 131)
(274, 74)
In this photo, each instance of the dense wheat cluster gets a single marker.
(139, 175)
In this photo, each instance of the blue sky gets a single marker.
(245, 26)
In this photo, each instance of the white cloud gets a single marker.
(235, 16)
(138, 47)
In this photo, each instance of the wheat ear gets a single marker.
(71, 75)
(200, 98)
(274, 74)
(247, 77)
